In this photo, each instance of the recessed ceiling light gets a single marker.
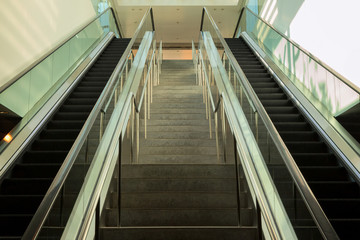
(222, 9)
(132, 9)
(140, 9)
(214, 9)
(178, 9)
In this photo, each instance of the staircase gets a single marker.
(24, 186)
(179, 189)
(332, 185)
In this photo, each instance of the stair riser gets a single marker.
(179, 234)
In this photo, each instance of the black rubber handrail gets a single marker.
(238, 22)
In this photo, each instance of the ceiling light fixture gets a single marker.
(8, 138)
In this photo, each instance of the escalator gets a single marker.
(25, 184)
(334, 188)
(350, 120)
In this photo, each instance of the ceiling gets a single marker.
(178, 25)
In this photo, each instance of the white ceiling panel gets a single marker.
(177, 25)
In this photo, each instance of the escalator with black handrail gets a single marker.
(23, 187)
(334, 188)
(350, 120)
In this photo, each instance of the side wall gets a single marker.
(31, 28)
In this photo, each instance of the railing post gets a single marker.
(206, 102)
(217, 136)
(223, 129)
(132, 130)
(97, 221)
(238, 185)
(257, 126)
(137, 136)
(151, 83)
(145, 110)
(102, 116)
(149, 100)
(119, 180)
(210, 111)
(126, 72)
(122, 79)
(202, 81)
(116, 96)
(86, 160)
(241, 95)
(229, 70)
(258, 218)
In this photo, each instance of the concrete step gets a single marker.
(192, 105)
(169, 75)
(177, 88)
(178, 159)
(153, 150)
(177, 143)
(192, 129)
(180, 233)
(177, 111)
(157, 100)
(185, 122)
(171, 90)
(196, 97)
(178, 171)
(178, 83)
(178, 134)
(178, 185)
(179, 217)
(181, 200)
(174, 116)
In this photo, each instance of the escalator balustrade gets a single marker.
(337, 193)
(24, 186)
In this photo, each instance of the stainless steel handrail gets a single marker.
(315, 209)
(236, 118)
(130, 98)
(48, 53)
(41, 214)
(321, 63)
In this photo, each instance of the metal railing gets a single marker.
(247, 153)
(259, 120)
(79, 154)
(125, 118)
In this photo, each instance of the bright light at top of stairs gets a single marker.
(177, 2)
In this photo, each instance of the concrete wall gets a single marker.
(326, 28)
(30, 28)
